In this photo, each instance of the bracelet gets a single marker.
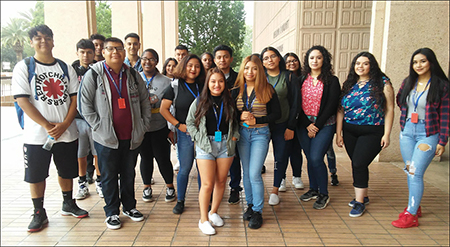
(177, 125)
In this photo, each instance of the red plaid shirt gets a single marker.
(436, 117)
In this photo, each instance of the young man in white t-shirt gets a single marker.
(49, 103)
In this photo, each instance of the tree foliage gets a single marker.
(103, 13)
(205, 24)
(15, 36)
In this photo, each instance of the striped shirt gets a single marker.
(258, 110)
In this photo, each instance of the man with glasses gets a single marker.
(132, 45)
(114, 101)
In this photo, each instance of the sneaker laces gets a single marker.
(147, 191)
(170, 191)
(134, 211)
(112, 217)
(358, 206)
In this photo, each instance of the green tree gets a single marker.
(15, 35)
(248, 41)
(103, 13)
(205, 24)
(34, 17)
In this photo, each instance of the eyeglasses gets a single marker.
(273, 56)
(144, 59)
(117, 48)
(292, 61)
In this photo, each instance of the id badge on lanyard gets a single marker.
(218, 133)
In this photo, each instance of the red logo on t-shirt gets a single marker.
(53, 88)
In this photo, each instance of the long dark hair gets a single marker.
(326, 70)
(376, 84)
(281, 64)
(438, 78)
(181, 73)
(205, 101)
(298, 72)
(164, 71)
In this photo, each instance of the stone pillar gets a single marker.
(398, 29)
(82, 19)
(126, 17)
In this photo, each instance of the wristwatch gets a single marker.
(177, 125)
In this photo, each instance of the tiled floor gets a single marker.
(291, 223)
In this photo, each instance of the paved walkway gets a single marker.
(291, 223)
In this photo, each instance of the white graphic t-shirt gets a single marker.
(50, 93)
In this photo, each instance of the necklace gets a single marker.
(362, 83)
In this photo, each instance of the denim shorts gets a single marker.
(219, 150)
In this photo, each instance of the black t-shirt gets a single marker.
(184, 98)
(211, 120)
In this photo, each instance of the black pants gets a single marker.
(155, 145)
(363, 143)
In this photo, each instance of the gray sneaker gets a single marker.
(83, 191)
(170, 195)
(147, 194)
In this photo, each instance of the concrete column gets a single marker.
(406, 27)
(70, 21)
(126, 17)
(170, 32)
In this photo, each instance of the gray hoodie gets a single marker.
(95, 106)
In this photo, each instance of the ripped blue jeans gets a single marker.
(417, 151)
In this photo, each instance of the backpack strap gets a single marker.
(63, 66)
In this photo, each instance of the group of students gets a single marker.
(222, 119)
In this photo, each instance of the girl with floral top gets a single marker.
(424, 121)
(365, 116)
(319, 96)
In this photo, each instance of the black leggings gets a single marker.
(363, 143)
(155, 145)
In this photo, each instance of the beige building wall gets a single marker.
(126, 17)
(400, 28)
(70, 21)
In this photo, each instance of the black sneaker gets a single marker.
(234, 196)
(321, 202)
(39, 219)
(71, 208)
(255, 221)
(263, 169)
(113, 222)
(334, 180)
(179, 208)
(134, 214)
(170, 195)
(248, 213)
(147, 194)
(311, 194)
(89, 178)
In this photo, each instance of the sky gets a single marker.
(11, 9)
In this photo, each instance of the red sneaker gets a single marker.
(419, 212)
(406, 220)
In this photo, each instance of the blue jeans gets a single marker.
(417, 151)
(279, 153)
(111, 163)
(331, 158)
(315, 149)
(186, 158)
(253, 147)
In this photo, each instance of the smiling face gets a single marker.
(192, 70)
(132, 46)
(271, 60)
(114, 53)
(170, 67)
(250, 71)
(362, 67)
(98, 43)
(421, 65)
(216, 84)
(148, 63)
(315, 60)
(292, 63)
(179, 54)
(42, 43)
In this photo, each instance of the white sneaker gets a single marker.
(176, 167)
(297, 182)
(274, 199)
(215, 219)
(98, 188)
(206, 227)
(83, 191)
(282, 186)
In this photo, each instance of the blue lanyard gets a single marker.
(219, 119)
(247, 98)
(191, 90)
(148, 81)
(113, 81)
(278, 79)
(415, 91)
